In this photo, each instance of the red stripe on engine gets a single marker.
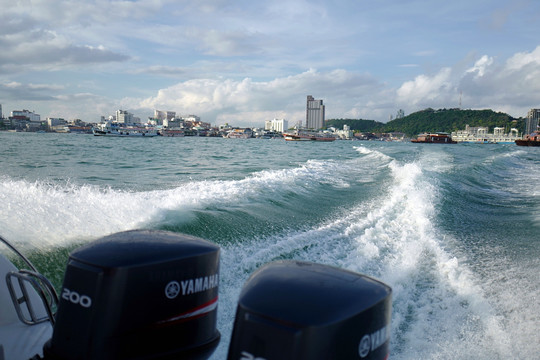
(192, 313)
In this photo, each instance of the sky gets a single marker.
(243, 62)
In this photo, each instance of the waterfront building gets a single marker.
(532, 121)
(276, 125)
(314, 113)
(155, 121)
(34, 126)
(159, 115)
(1, 114)
(224, 128)
(30, 115)
(24, 120)
(192, 118)
(345, 134)
(173, 123)
(124, 117)
(481, 134)
(56, 124)
(55, 121)
(164, 115)
(193, 121)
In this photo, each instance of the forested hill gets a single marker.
(448, 120)
(429, 120)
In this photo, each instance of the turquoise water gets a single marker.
(453, 229)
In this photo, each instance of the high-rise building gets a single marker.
(1, 115)
(314, 113)
(532, 121)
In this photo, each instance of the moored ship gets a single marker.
(239, 134)
(434, 138)
(114, 129)
(172, 132)
(530, 140)
(307, 135)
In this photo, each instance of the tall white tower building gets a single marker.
(314, 113)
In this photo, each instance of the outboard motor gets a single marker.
(138, 294)
(299, 310)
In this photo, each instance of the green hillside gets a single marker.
(430, 120)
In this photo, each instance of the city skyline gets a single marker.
(246, 62)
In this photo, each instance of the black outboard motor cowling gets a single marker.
(298, 310)
(138, 295)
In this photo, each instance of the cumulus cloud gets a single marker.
(32, 92)
(286, 95)
(38, 49)
(510, 86)
(481, 65)
(523, 59)
(47, 35)
(425, 90)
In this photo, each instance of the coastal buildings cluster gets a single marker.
(169, 123)
(481, 134)
(30, 121)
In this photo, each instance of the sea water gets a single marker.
(453, 229)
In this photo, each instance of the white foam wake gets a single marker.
(41, 214)
(439, 310)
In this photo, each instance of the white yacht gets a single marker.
(114, 129)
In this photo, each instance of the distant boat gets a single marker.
(308, 135)
(80, 129)
(172, 132)
(532, 139)
(434, 138)
(239, 134)
(269, 135)
(114, 129)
